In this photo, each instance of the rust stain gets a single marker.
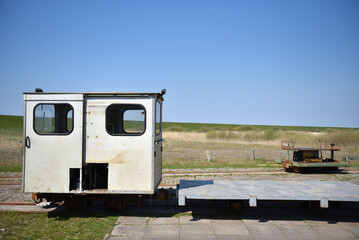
(36, 179)
(96, 161)
(119, 158)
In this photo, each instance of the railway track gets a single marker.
(221, 173)
(11, 182)
(17, 178)
(17, 203)
(240, 173)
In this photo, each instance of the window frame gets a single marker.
(156, 118)
(126, 133)
(53, 134)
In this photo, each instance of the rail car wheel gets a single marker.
(236, 206)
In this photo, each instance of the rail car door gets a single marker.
(53, 141)
(118, 144)
(158, 143)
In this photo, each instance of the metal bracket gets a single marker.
(324, 202)
(159, 141)
(181, 201)
(252, 201)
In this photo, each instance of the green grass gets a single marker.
(258, 163)
(60, 226)
(64, 225)
(11, 166)
(240, 127)
(16, 123)
(13, 123)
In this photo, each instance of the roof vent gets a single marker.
(38, 90)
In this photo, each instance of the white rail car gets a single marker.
(92, 143)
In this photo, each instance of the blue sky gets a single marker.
(242, 62)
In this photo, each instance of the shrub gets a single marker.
(279, 128)
(251, 136)
(221, 135)
(176, 129)
(245, 128)
(204, 129)
(346, 138)
(270, 135)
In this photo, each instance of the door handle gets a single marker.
(159, 141)
(27, 142)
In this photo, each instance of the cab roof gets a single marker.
(39, 91)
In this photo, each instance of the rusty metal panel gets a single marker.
(287, 145)
(322, 164)
(130, 158)
(48, 158)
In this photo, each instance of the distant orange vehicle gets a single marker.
(311, 158)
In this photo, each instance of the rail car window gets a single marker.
(125, 119)
(158, 118)
(51, 119)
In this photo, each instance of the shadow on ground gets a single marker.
(265, 211)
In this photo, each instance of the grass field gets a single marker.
(190, 149)
(10, 150)
(13, 123)
(17, 225)
(206, 127)
(188, 144)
